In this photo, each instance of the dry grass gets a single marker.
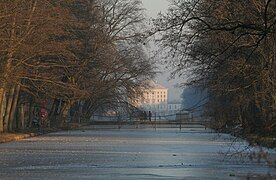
(7, 137)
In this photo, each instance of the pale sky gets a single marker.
(153, 7)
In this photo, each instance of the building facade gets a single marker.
(155, 100)
(155, 95)
(163, 110)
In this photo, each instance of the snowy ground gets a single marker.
(105, 152)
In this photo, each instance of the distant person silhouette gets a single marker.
(149, 115)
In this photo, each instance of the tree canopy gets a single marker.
(76, 54)
(228, 48)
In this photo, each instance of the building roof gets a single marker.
(155, 85)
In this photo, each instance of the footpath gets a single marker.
(16, 136)
(8, 137)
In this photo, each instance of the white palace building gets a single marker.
(155, 100)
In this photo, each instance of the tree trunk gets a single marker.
(2, 102)
(64, 113)
(21, 122)
(53, 113)
(31, 113)
(8, 108)
(13, 107)
(80, 113)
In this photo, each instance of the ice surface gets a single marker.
(129, 153)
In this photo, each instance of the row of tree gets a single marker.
(61, 56)
(227, 47)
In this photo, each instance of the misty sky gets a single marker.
(153, 7)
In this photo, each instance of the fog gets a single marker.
(153, 7)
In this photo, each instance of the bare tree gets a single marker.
(26, 38)
(69, 52)
(227, 47)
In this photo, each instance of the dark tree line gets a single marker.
(228, 48)
(62, 56)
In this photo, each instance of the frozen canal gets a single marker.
(106, 153)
